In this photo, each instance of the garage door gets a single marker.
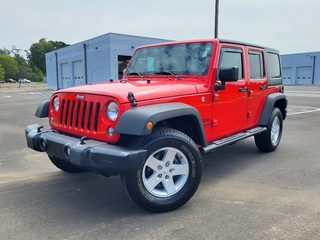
(78, 73)
(287, 75)
(304, 75)
(65, 75)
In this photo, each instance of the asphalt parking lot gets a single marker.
(244, 194)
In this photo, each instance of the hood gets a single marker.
(142, 89)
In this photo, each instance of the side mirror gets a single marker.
(227, 74)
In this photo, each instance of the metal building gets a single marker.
(301, 68)
(105, 57)
(94, 60)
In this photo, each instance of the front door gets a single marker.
(229, 109)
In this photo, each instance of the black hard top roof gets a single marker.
(247, 44)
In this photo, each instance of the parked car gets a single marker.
(24, 80)
(10, 80)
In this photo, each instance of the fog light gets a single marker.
(110, 131)
(67, 151)
(51, 120)
(43, 144)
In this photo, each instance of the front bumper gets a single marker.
(95, 156)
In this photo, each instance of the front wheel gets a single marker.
(170, 174)
(269, 140)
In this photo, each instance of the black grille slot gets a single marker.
(72, 113)
(66, 117)
(90, 115)
(96, 117)
(83, 114)
(77, 114)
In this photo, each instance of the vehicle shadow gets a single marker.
(229, 161)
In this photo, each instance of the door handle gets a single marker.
(264, 87)
(244, 89)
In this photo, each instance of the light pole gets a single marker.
(216, 19)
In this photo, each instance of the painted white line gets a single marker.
(294, 110)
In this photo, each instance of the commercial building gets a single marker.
(301, 68)
(94, 60)
(105, 57)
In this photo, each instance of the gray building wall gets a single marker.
(301, 68)
(93, 60)
(96, 60)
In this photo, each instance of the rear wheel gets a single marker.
(65, 166)
(170, 174)
(269, 140)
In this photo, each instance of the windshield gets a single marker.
(184, 59)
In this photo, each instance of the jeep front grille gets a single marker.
(79, 114)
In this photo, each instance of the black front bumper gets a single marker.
(95, 156)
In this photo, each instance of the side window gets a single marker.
(256, 64)
(273, 65)
(231, 57)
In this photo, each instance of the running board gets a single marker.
(232, 139)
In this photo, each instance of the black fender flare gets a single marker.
(134, 120)
(270, 102)
(43, 109)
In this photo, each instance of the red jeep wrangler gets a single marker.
(175, 102)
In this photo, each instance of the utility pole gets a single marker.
(216, 19)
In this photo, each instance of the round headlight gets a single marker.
(56, 104)
(112, 111)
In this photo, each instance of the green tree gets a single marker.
(58, 44)
(4, 51)
(1, 72)
(38, 50)
(10, 65)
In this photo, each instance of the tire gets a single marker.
(65, 166)
(171, 173)
(269, 140)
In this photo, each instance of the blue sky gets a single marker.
(292, 26)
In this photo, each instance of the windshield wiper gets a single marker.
(171, 73)
(136, 73)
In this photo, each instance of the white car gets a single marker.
(24, 80)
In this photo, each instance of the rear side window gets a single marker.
(231, 57)
(274, 68)
(273, 65)
(256, 64)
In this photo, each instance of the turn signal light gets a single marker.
(149, 125)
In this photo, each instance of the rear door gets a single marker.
(258, 84)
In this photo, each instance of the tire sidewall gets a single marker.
(186, 192)
(275, 113)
